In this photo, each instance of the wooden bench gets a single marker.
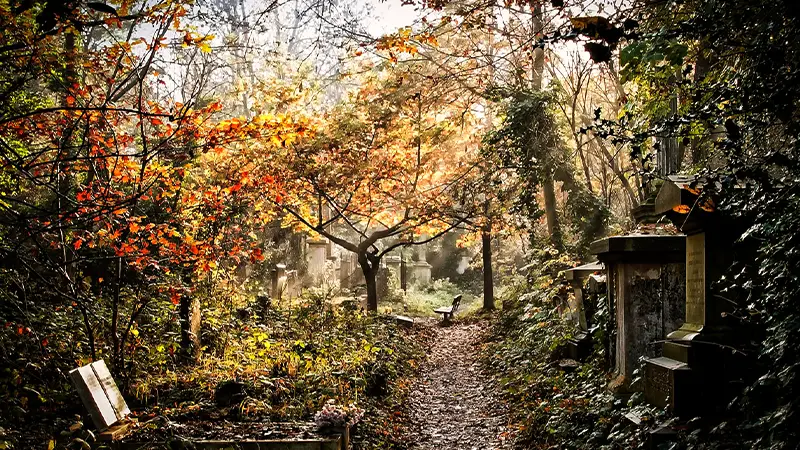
(448, 312)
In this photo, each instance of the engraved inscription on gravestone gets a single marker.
(658, 378)
(99, 394)
(695, 279)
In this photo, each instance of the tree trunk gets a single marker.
(488, 279)
(550, 206)
(551, 213)
(370, 277)
(585, 165)
(189, 316)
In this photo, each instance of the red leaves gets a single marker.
(77, 244)
(82, 196)
(257, 255)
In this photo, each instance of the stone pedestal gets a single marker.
(645, 285)
(422, 273)
(696, 363)
(344, 271)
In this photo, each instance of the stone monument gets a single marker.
(421, 270)
(317, 256)
(645, 287)
(393, 263)
(697, 358)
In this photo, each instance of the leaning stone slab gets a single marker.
(100, 394)
(404, 321)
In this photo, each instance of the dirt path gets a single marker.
(453, 405)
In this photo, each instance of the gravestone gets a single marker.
(344, 271)
(579, 346)
(645, 290)
(421, 270)
(691, 375)
(422, 273)
(317, 256)
(99, 394)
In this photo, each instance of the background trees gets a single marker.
(378, 175)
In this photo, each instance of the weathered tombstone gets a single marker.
(100, 395)
(694, 368)
(421, 270)
(645, 286)
(333, 262)
(422, 273)
(579, 346)
(344, 271)
(317, 256)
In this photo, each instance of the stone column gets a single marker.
(645, 285)
(278, 281)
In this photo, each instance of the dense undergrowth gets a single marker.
(287, 362)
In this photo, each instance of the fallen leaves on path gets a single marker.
(453, 404)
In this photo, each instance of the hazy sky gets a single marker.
(390, 15)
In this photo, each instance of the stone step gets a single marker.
(677, 351)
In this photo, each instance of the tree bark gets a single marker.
(550, 205)
(370, 270)
(551, 213)
(488, 279)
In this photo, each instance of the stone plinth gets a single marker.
(646, 286)
(577, 277)
(344, 271)
(422, 273)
